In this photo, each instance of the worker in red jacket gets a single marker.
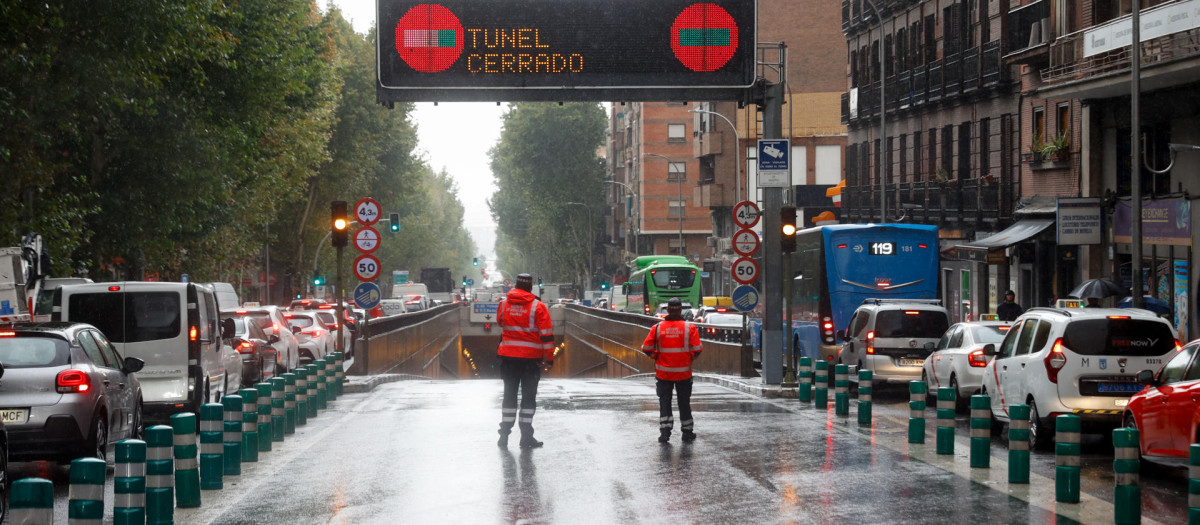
(527, 342)
(673, 344)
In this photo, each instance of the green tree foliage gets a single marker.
(545, 160)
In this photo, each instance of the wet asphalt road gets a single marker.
(425, 452)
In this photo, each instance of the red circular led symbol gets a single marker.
(429, 38)
(704, 37)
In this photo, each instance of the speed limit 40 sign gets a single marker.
(366, 267)
(745, 270)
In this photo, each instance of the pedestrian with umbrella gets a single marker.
(1098, 289)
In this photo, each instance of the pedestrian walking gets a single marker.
(527, 342)
(673, 343)
(1009, 310)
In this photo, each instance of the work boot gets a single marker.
(503, 442)
(688, 435)
(529, 442)
(664, 436)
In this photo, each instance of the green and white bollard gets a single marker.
(945, 420)
(331, 377)
(322, 384)
(314, 405)
(301, 396)
(129, 483)
(277, 413)
(841, 390)
(916, 411)
(212, 446)
(820, 380)
(1194, 485)
(31, 502)
(231, 435)
(804, 390)
(85, 505)
(289, 403)
(339, 373)
(249, 424)
(187, 473)
(160, 475)
(264, 416)
(1066, 458)
(866, 382)
(1018, 444)
(1127, 495)
(981, 432)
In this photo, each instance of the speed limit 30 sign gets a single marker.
(366, 267)
(745, 270)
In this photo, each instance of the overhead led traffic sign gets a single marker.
(513, 50)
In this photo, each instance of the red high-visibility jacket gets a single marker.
(673, 345)
(528, 332)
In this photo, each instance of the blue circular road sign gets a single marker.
(367, 295)
(744, 298)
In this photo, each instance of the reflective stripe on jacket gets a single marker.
(673, 345)
(528, 332)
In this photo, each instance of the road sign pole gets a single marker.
(789, 378)
(773, 329)
(341, 320)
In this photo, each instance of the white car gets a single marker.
(959, 359)
(1077, 361)
(314, 337)
(273, 321)
(892, 338)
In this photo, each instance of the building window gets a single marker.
(1064, 121)
(675, 132)
(676, 208)
(676, 247)
(1039, 125)
(676, 171)
(985, 149)
(917, 171)
(964, 151)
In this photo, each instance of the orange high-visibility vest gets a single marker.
(528, 332)
(673, 345)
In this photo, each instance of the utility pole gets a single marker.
(771, 106)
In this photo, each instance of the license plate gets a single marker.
(1122, 388)
(14, 416)
(911, 362)
(1122, 402)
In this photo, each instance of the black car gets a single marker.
(254, 346)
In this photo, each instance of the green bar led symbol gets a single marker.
(703, 37)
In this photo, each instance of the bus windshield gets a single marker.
(673, 279)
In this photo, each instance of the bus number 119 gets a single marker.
(883, 248)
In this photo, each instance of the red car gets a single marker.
(1167, 412)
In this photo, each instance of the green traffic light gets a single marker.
(475, 262)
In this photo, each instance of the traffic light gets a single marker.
(318, 280)
(340, 225)
(464, 280)
(475, 262)
(394, 222)
(603, 285)
(787, 226)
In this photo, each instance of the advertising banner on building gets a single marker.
(1164, 222)
(1181, 298)
(1079, 221)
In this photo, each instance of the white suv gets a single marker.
(1077, 361)
(892, 337)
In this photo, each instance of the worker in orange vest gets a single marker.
(527, 342)
(673, 343)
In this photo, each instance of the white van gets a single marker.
(227, 297)
(171, 326)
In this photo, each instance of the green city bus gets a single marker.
(657, 278)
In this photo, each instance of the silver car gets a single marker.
(313, 335)
(66, 392)
(274, 324)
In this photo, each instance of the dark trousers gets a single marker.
(524, 374)
(684, 389)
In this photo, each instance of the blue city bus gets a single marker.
(834, 268)
(657, 278)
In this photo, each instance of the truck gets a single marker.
(23, 270)
(440, 284)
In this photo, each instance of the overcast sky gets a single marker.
(455, 136)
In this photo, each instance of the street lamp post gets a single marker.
(883, 164)
(737, 172)
(682, 208)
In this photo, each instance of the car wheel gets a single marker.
(1041, 437)
(97, 444)
(930, 392)
(138, 431)
(997, 425)
(960, 402)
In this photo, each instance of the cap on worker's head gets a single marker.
(675, 304)
(525, 282)
(1010, 292)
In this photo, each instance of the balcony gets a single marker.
(891, 92)
(990, 64)
(935, 81)
(970, 70)
(952, 71)
(1072, 59)
(919, 85)
(960, 202)
(903, 88)
(1028, 31)
(707, 143)
(845, 108)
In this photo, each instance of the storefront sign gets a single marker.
(1165, 222)
(1158, 22)
(1078, 221)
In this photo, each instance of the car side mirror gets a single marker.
(1146, 377)
(133, 364)
(296, 329)
(841, 335)
(227, 328)
(989, 350)
(273, 338)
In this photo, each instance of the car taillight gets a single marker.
(1055, 361)
(315, 332)
(1178, 347)
(72, 382)
(276, 326)
(192, 333)
(977, 359)
(245, 348)
(871, 342)
(7, 334)
(827, 330)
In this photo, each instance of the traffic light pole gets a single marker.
(341, 312)
(771, 106)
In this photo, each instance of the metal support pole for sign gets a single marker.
(772, 334)
(341, 314)
(1135, 149)
(789, 378)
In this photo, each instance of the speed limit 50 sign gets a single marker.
(745, 270)
(366, 267)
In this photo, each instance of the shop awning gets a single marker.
(1020, 231)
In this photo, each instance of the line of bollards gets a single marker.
(175, 463)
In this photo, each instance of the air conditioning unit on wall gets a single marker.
(711, 242)
(724, 244)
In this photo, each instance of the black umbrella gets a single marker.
(1098, 288)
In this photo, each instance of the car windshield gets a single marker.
(327, 317)
(724, 319)
(302, 321)
(928, 324)
(1124, 337)
(31, 351)
(129, 317)
(989, 334)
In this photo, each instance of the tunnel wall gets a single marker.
(421, 343)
